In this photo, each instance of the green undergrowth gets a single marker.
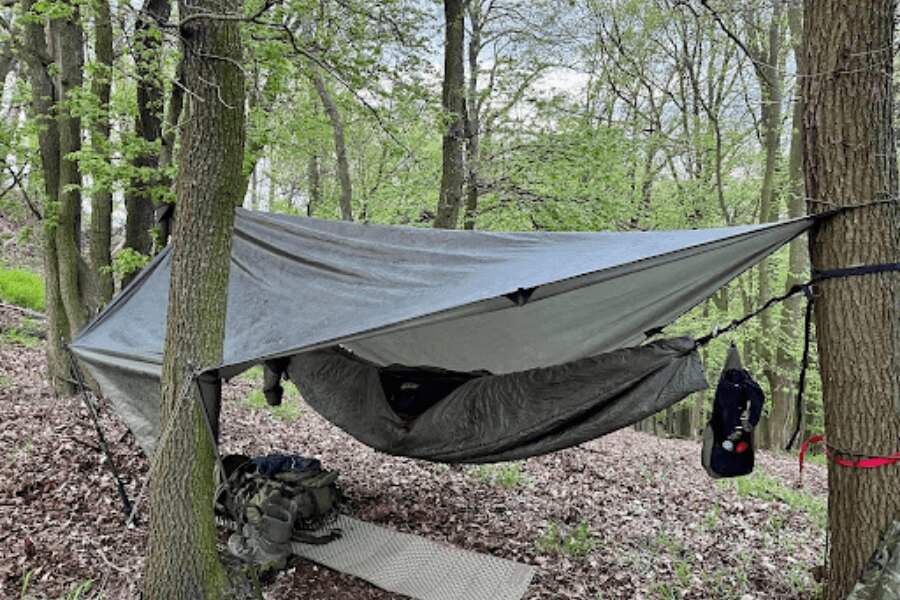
(579, 541)
(22, 288)
(78, 591)
(288, 410)
(18, 336)
(500, 475)
(253, 374)
(761, 485)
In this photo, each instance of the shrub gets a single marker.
(576, 542)
(501, 475)
(22, 288)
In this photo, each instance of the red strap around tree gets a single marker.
(863, 463)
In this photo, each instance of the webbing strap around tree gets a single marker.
(818, 277)
(867, 462)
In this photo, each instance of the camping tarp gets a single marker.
(460, 300)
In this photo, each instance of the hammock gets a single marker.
(492, 418)
(536, 335)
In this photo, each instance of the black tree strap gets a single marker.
(818, 277)
(110, 461)
(804, 364)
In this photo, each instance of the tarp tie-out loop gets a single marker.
(130, 513)
(864, 462)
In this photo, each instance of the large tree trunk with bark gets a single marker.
(850, 158)
(182, 562)
(453, 100)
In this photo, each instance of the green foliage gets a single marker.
(573, 542)
(252, 375)
(18, 337)
(127, 261)
(761, 485)
(506, 475)
(78, 591)
(288, 410)
(22, 288)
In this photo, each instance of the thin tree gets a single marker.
(147, 50)
(102, 198)
(53, 50)
(850, 158)
(453, 98)
(182, 562)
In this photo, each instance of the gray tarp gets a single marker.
(501, 302)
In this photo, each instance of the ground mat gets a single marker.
(417, 567)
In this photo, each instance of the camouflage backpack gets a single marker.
(880, 579)
(275, 500)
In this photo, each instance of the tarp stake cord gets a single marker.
(130, 513)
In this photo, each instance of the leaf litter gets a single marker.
(626, 516)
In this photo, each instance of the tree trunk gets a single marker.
(453, 99)
(473, 116)
(101, 200)
(39, 66)
(139, 202)
(54, 69)
(315, 186)
(182, 562)
(772, 93)
(340, 147)
(782, 422)
(850, 158)
(7, 63)
(68, 45)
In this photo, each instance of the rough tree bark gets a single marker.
(850, 158)
(54, 56)
(182, 562)
(453, 98)
(101, 200)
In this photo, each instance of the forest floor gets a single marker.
(626, 516)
